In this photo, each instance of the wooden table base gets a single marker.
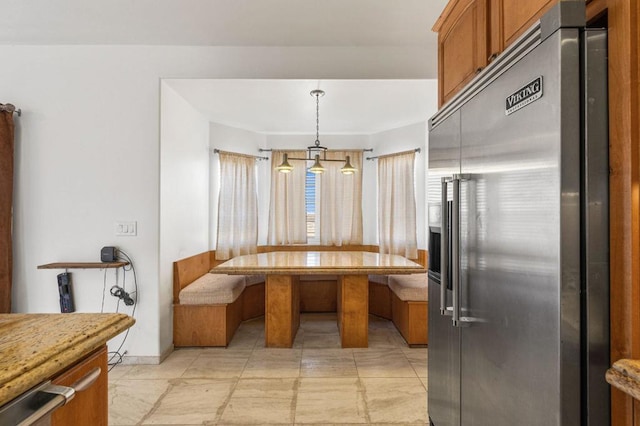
(353, 310)
(282, 310)
(282, 292)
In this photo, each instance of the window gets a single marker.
(315, 209)
(310, 206)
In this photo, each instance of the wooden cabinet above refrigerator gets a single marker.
(462, 45)
(471, 33)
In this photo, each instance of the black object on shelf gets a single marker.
(64, 288)
(108, 254)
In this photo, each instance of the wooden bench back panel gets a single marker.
(213, 262)
(187, 270)
(422, 258)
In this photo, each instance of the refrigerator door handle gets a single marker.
(457, 319)
(455, 250)
(444, 249)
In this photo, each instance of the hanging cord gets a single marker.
(117, 355)
(317, 118)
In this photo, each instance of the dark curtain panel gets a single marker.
(6, 203)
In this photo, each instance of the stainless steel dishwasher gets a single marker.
(35, 406)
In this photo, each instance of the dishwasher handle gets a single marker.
(54, 397)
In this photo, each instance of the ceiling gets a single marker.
(286, 107)
(221, 22)
(269, 106)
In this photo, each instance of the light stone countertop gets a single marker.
(35, 347)
(319, 262)
(625, 375)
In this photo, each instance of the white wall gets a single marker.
(88, 154)
(242, 141)
(184, 191)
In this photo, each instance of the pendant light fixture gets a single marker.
(348, 169)
(285, 167)
(315, 151)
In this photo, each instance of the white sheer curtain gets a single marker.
(237, 206)
(397, 205)
(287, 210)
(340, 201)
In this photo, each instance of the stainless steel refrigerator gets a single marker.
(519, 243)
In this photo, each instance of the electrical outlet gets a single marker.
(126, 229)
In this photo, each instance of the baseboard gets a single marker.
(147, 360)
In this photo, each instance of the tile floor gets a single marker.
(314, 383)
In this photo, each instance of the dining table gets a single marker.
(282, 270)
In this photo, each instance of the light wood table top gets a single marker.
(35, 347)
(319, 262)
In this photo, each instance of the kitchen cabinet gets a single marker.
(462, 45)
(89, 406)
(510, 18)
(471, 33)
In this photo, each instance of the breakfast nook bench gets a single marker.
(208, 308)
(403, 300)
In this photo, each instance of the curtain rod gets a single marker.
(305, 149)
(217, 151)
(395, 153)
(10, 108)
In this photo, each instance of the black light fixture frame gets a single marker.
(316, 148)
(314, 151)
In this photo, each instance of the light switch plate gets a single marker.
(126, 229)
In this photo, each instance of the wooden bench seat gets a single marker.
(250, 280)
(208, 308)
(409, 307)
(212, 289)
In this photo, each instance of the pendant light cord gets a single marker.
(317, 119)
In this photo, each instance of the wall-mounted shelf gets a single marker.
(83, 265)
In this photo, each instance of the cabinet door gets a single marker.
(462, 45)
(90, 406)
(510, 18)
